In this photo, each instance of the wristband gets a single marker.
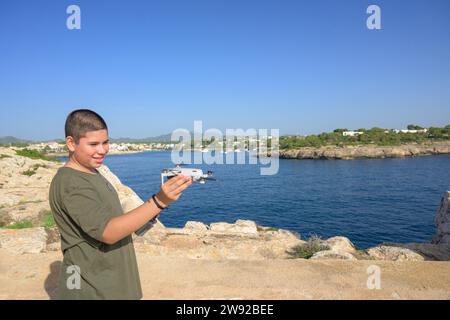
(157, 203)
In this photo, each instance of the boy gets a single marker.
(99, 259)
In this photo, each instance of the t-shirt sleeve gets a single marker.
(85, 207)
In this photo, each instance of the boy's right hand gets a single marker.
(172, 189)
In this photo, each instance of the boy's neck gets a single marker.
(77, 166)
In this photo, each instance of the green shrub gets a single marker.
(374, 136)
(2, 156)
(309, 248)
(47, 220)
(34, 154)
(262, 229)
(33, 169)
(28, 172)
(20, 225)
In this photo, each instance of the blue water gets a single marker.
(369, 201)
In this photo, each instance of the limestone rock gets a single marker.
(442, 221)
(30, 240)
(393, 253)
(445, 239)
(53, 235)
(433, 252)
(245, 227)
(366, 151)
(24, 185)
(332, 254)
(341, 244)
(55, 246)
(196, 241)
(195, 227)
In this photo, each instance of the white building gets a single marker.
(352, 133)
(411, 131)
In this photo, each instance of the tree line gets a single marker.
(374, 136)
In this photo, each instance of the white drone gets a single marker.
(197, 175)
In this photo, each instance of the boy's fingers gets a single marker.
(176, 188)
(182, 187)
(182, 180)
(173, 180)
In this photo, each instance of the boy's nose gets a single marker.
(101, 150)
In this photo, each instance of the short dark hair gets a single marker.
(81, 121)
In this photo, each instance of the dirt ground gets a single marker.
(33, 276)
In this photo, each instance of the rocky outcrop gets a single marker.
(366, 151)
(429, 251)
(394, 253)
(336, 248)
(24, 185)
(240, 227)
(442, 221)
(30, 240)
(332, 254)
(240, 240)
(343, 249)
(340, 244)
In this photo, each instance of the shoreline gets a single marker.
(114, 153)
(332, 152)
(366, 151)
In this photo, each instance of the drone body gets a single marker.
(197, 175)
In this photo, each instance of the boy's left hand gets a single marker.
(172, 189)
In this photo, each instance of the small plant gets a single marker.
(309, 248)
(47, 220)
(33, 169)
(262, 229)
(20, 225)
(3, 156)
(28, 172)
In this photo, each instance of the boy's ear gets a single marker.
(70, 142)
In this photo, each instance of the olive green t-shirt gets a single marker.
(82, 204)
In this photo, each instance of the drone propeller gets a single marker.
(203, 180)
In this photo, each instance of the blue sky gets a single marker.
(150, 67)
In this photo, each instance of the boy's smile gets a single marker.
(89, 153)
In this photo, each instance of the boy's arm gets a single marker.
(122, 226)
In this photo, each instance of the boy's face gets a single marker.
(91, 150)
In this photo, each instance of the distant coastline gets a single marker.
(334, 152)
(65, 154)
(366, 151)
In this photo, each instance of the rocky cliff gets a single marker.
(366, 151)
(443, 221)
